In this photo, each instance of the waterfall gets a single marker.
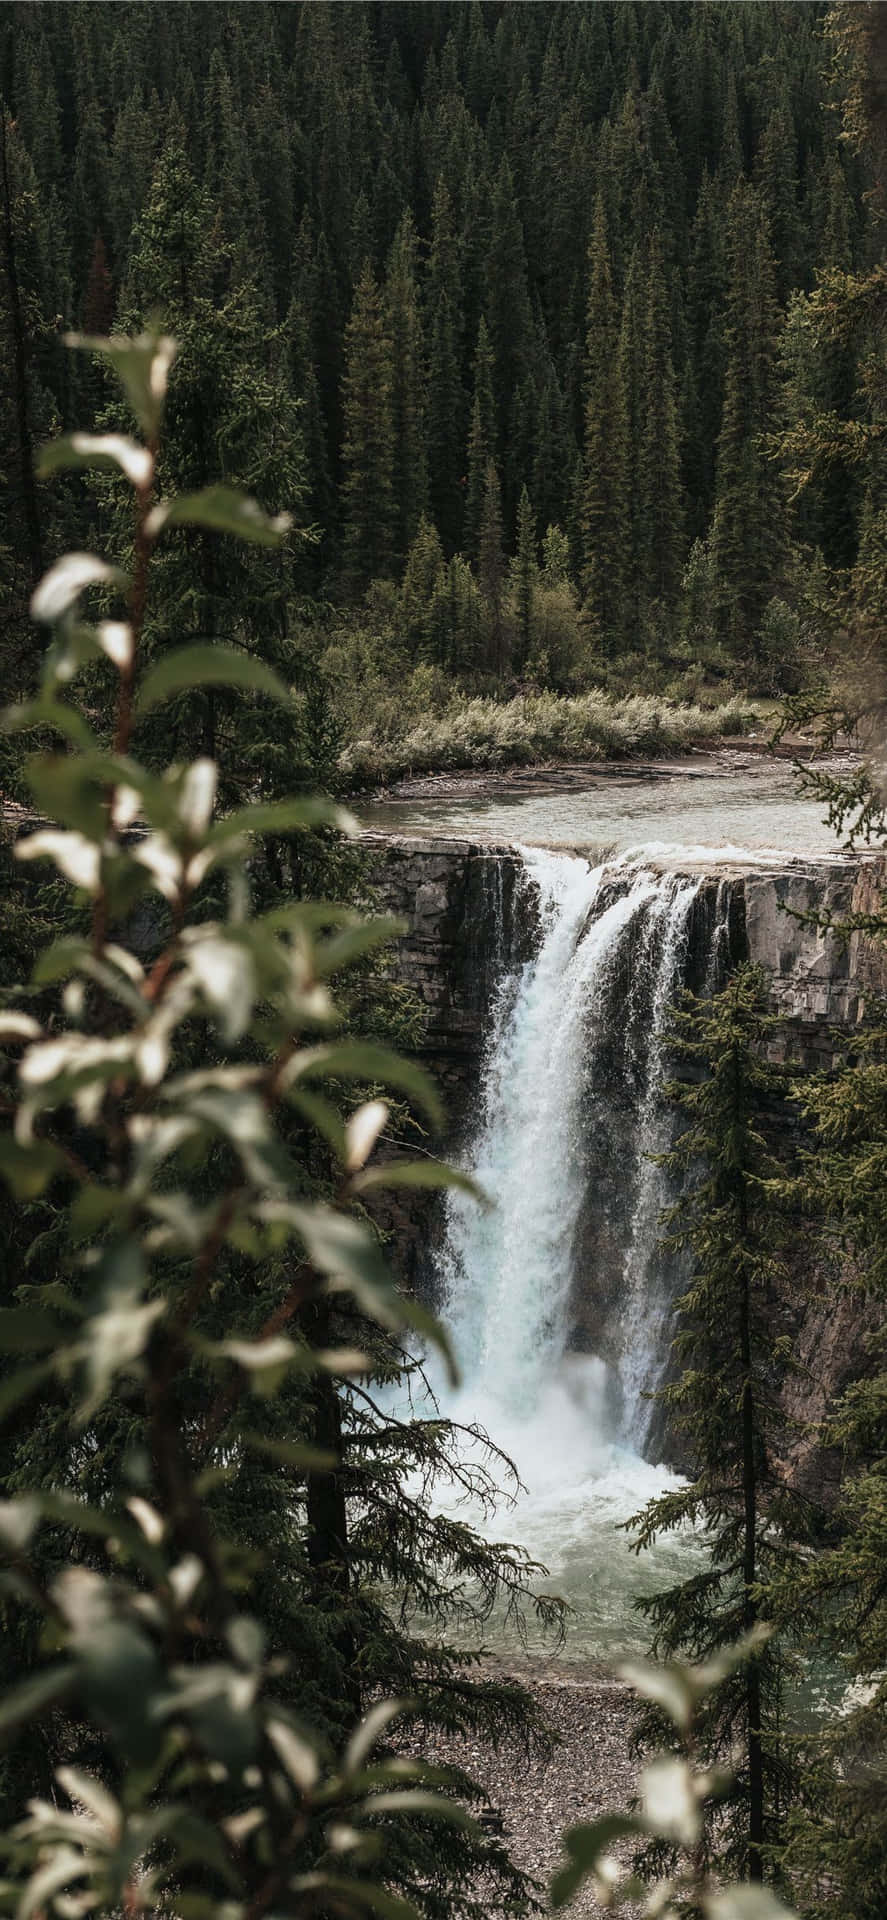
(577, 1031)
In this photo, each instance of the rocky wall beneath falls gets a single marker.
(468, 918)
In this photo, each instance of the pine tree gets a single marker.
(368, 501)
(408, 386)
(481, 441)
(747, 534)
(423, 575)
(724, 1402)
(660, 515)
(604, 510)
(491, 570)
(446, 401)
(232, 418)
(524, 580)
(636, 388)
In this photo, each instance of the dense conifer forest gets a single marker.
(523, 292)
(389, 386)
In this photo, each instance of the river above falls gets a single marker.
(716, 810)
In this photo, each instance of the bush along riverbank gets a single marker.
(482, 732)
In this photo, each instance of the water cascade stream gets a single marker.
(570, 1112)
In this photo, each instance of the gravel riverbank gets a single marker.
(588, 1773)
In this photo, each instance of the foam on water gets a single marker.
(574, 1432)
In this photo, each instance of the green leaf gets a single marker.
(266, 1361)
(282, 816)
(28, 1170)
(142, 365)
(745, 1903)
(225, 510)
(371, 1727)
(33, 1696)
(26, 1330)
(325, 1117)
(671, 1807)
(418, 1173)
(20, 1385)
(98, 450)
(19, 1520)
(363, 1060)
(585, 1845)
(668, 1686)
(208, 666)
(53, 715)
(65, 581)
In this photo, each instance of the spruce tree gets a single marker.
(491, 570)
(481, 441)
(748, 528)
(368, 500)
(723, 1402)
(407, 386)
(660, 510)
(524, 580)
(604, 507)
(232, 419)
(446, 400)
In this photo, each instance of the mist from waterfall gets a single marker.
(579, 1027)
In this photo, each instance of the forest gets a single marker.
(530, 296)
(413, 388)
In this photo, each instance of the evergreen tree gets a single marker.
(604, 509)
(407, 386)
(481, 441)
(368, 500)
(445, 435)
(723, 1402)
(748, 530)
(232, 417)
(524, 579)
(423, 575)
(660, 514)
(491, 570)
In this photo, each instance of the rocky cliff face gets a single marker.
(460, 902)
(468, 918)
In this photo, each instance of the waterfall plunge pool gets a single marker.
(569, 1119)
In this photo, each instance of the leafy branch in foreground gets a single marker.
(153, 1069)
(678, 1810)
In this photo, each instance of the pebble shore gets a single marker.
(588, 1773)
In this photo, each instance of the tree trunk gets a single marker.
(327, 1510)
(749, 1573)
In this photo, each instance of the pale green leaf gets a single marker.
(69, 577)
(142, 365)
(669, 1801)
(224, 510)
(208, 666)
(433, 1174)
(98, 450)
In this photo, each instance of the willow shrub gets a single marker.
(163, 1152)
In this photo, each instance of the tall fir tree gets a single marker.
(524, 579)
(368, 498)
(724, 1401)
(491, 571)
(748, 534)
(446, 400)
(660, 506)
(481, 441)
(604, 509)
(407, 386)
